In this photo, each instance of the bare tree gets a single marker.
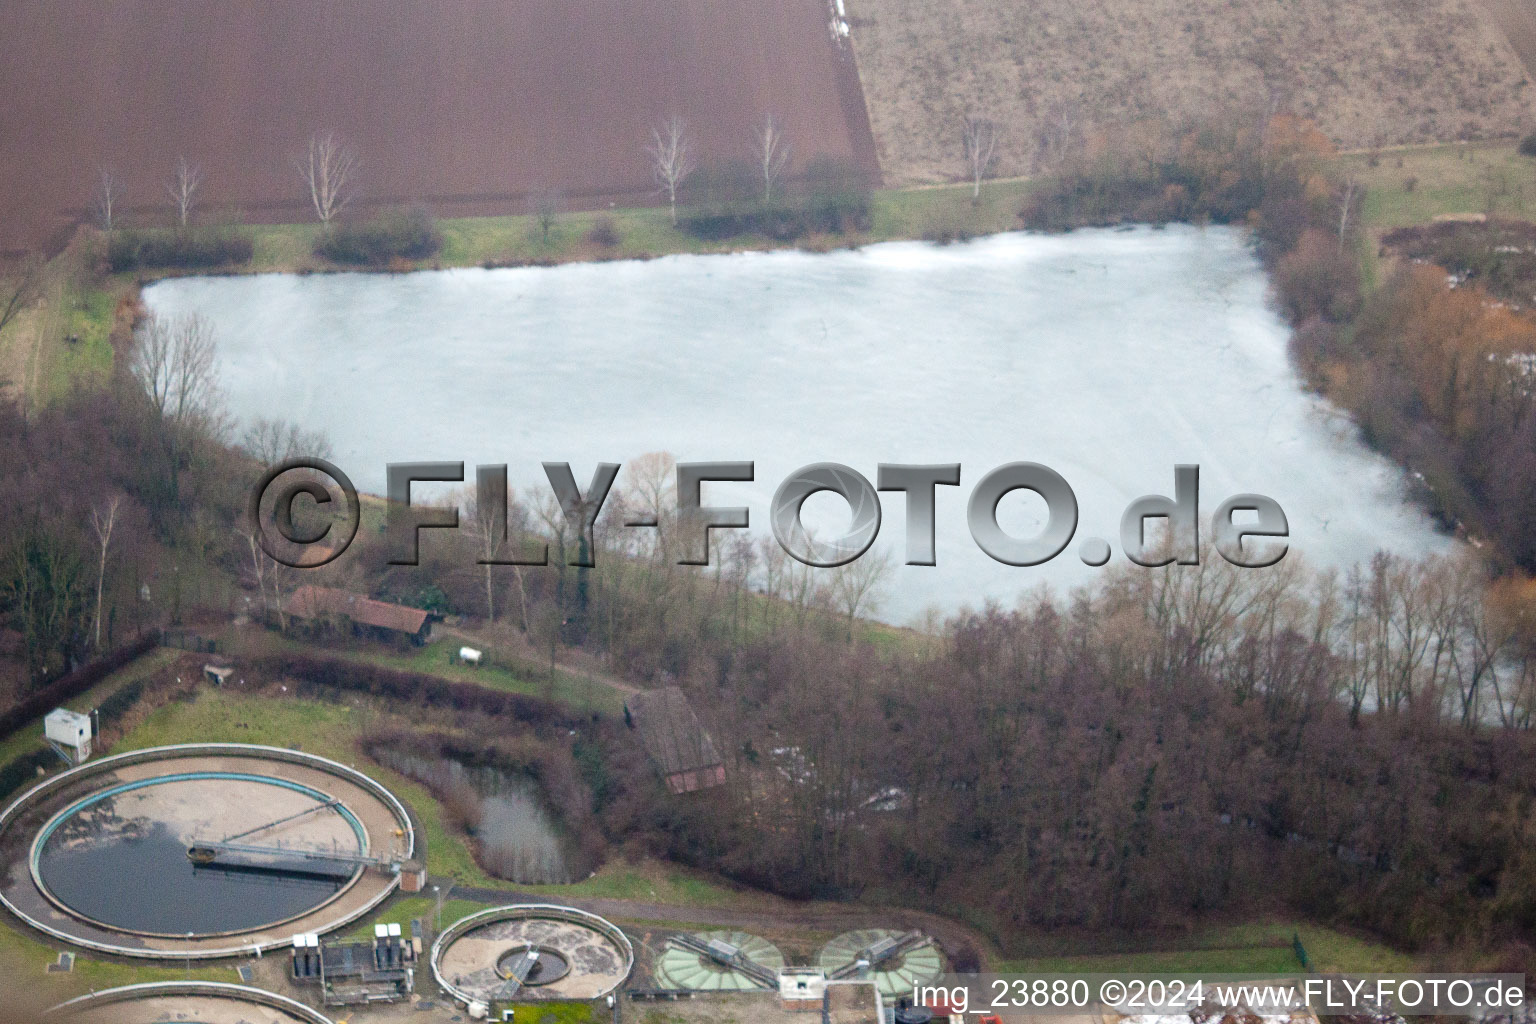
(174, 361)
(498, 534)
(980, 150)
(108, 191)
(19, 287)
(102, 522)
(267, 572)
(1346, 206)
(773, 153)
(856, 586)
(328, 169)
(183, 188)
(270, 441)
(545, 206)
(673, 158)
(1061, 129)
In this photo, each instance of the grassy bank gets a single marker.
(435, 659)
(38, 358)
(647, 232)
(30, 738)
(1256, 948)
(1403, 187)
(1414, 186)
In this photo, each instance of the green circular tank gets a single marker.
(681, 968)
(919, 965)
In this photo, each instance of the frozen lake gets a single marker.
(1109, 356)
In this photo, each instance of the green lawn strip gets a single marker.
(1443, 180)
(654, 882)
(1331, 950)
(646, 232)
(579, 692)
(404, 909)
(25, 960)
(282, 246)
(554, 1013)
(435, 659)
(948, 210)
(647, 882)
(86, 353)
(1251, 960)
(1257, 947)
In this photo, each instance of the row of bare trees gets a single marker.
(328, 168)
(674, 156)
(183, 187)
(673, 153)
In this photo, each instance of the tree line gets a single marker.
(1175, 745)
(719, 199)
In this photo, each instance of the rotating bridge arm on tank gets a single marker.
(206, 852)
(730, 957)
(872, 957)
(325, 806)
(517, 974)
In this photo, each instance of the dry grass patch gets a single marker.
(1370, 72)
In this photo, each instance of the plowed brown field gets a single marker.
(466, 103)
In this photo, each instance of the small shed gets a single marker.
(413, 876)
(70, 733)
(675, 741)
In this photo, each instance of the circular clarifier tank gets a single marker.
(202, 1002)
(681, 967)
(919, 964)
(201, 851)
(120, 856)
(531, 952)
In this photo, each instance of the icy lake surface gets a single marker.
(1109, 356)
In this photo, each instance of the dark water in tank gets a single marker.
(141, 880)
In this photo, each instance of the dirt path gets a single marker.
(525, 653)
(30, 338)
